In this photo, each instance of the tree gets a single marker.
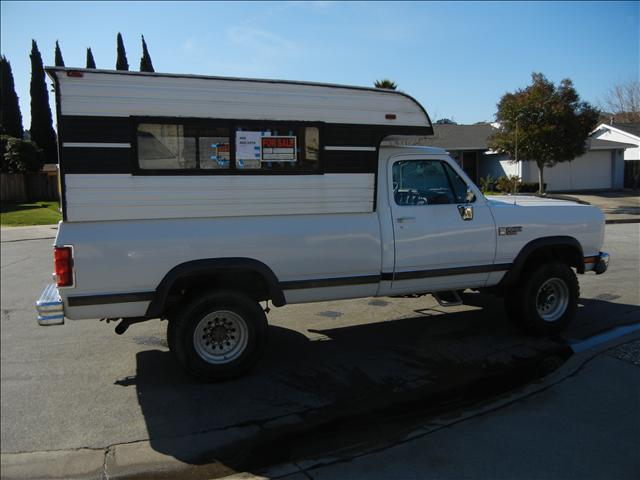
(121, 62)
(445, 121)
(59, 61)
(386, 83)
(10, 115)
(20, 155)
(41, 130)
(623, 101)
(145, 61)
(544, 124)
(91, 63)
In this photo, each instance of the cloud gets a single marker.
(190, 45)
(261, 43)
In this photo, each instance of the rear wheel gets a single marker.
(218, 335)
(546, 300)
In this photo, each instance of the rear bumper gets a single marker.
(50, 307)
(597, 263)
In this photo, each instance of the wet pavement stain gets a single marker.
(330, 314)
(378, 303)
(607, 297)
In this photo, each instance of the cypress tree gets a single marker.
(10, 115)
(145, 61)
(121, 62)
(59, 60)
(41, 123)
(91, 63)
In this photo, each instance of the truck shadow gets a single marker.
(339, 373)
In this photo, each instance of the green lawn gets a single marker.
(22, 214)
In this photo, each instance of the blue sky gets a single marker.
(456, 58)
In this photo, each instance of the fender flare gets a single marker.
(213, 266)
(557, 241)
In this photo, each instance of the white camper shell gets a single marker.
(194, 198)
(115, 127)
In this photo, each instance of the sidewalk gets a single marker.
(619, 207)
(38, 232)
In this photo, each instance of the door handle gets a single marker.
(406, 219)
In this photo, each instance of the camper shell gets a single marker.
(100, 113)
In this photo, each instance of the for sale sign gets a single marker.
(279, 149)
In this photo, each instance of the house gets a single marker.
(601, 167)
(625, 133)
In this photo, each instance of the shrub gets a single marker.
(508, 184)
(20, 155)
(487, 183)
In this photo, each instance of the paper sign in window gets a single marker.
(248, 145)
(279, 149)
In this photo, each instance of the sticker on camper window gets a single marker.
(279, 149)
(248, 145)
(219, 151)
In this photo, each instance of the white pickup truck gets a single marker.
(194, 199)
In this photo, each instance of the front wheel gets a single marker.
(218, 335)
(545, 302)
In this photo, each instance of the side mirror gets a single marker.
(470, 197)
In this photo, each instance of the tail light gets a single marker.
(63, 261)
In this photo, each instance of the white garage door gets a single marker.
(590, 171)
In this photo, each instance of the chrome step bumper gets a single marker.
(597, 263)
(49, 306)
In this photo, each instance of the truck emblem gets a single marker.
(509, 230)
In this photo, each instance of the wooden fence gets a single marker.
(28, 187)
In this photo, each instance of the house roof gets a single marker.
(632, 128)
(629, 129)
(475, 137)
(598, 144)
(450, 137)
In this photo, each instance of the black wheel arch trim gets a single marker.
(555, 241)
(214, 266)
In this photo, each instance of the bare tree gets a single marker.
(623, 101)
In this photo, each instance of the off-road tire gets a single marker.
(523, 303)
(183, 344)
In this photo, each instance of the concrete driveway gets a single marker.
(618, 206)
(122, 403)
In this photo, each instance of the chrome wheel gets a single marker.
(221, 337)
(552, 299)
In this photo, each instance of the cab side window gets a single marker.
(426, 182)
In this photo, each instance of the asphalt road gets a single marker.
(80, 385)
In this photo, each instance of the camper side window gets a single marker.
(182, 147)
(201, 146)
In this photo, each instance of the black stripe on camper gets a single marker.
(96, 129)
(96, 160)
(350, 162)
(102, 159)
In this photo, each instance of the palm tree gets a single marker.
(386, 83)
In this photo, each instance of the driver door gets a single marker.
(436, 248)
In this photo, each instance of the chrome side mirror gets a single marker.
(466, 210)
(470, 197)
